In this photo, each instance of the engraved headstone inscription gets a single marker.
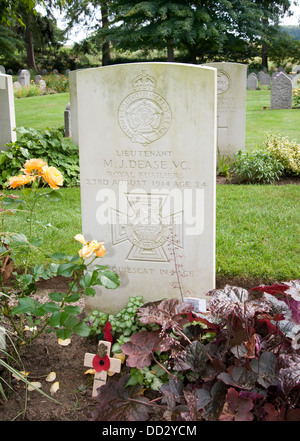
(7, 111)
(231, 114)
(147, 143)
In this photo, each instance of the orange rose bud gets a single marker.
(52, 176)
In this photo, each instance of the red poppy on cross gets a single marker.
(102, 363)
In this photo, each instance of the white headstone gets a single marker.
(42, 85)
(2, 69)
(231, 89)
(24, 77)
(147, 141)
(7, 111)
(281, 92)
(17, 85)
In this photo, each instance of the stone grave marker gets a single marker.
(24, 77)
(67, 119)
(2, 69)
(17, 85)
(252, 82)
(37, 78)
(7, 111)
(102, 363)
(147, 145)
(265, 79)
(42, 85)
(281, 92)
(231, 114)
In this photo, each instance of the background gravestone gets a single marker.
(147, 144)
(231, 90)
(17, 85)
(252, 82)
(24, 77)
(7, 111)
(37, 78)
(42, 85)
(265, 79)
(67, 118)
(281, 92)
(2, 69)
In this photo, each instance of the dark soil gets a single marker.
(75, 388)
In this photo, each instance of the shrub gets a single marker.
(57, 83)
(26, 91)
(285, 151)
(296, 96)
(50, 145)
(256, 167)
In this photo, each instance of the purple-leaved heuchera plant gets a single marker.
(240, 361)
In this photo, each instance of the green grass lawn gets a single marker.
(41, 112)
(48, 111)
(257, 229)
(261, 119)
(257, 226)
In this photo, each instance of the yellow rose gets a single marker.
(52, 176)
(34, 164)
(90, 247)
(17, 181)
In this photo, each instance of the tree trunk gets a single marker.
(170, 47)
(264, 49)
(106, 57)
(264, 55)
(29, 43)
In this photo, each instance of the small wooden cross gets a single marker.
(101, 359)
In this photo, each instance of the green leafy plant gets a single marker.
(285, 151)
(223, 165)
(59, 314)
(56, 83)
(296, 96)
(50, 145)
(123, 324)
(247, 370)
(255, 167)
(26, 91)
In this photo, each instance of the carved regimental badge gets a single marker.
(223, 82)
(144, 116)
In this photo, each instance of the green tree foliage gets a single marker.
(9, 42)
(202, 30)
(92, 15)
